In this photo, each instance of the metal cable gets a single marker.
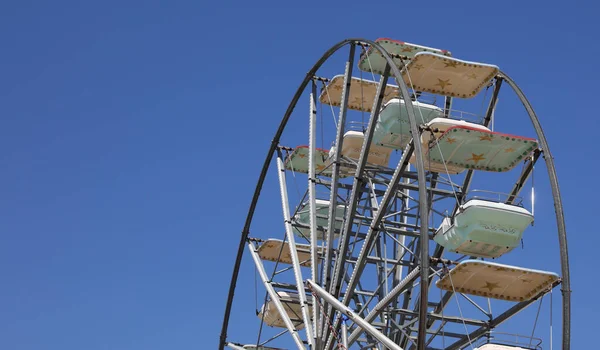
(433, 138)
(330, 104)
(536, 320)
(459, 308)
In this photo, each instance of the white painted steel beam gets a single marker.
(275, 297)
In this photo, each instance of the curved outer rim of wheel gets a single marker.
(558, 208)
(424, 212)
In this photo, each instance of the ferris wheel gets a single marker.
(393, 215)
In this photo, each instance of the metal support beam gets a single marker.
(358, 183)
(424, 210)
(447, 106)
(400, 248)
(339, 140)
(275, 297)
(401, 186)
(313, 208)
(352, 316)
(391, 296)
(525, 174)
(374, 226)
(440, 307)
(438, 317)
(294, 253)
(493, 101)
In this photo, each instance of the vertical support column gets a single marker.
(358, 184)
(275, 297)
(424, 290)
(335, 176)
(339, 140)
(447, 106)
(405, 205)
(400, 251)
(294, 252)
(314, 258)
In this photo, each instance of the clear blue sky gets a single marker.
(132, 134)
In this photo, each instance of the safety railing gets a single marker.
(493, 196)
(509, 339)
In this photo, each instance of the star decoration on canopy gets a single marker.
(450, 64)
(485, 138)
(490, 286)
(443, 83)
(476, 158)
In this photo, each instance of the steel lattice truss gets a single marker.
(360, 271)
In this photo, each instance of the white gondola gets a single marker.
(352, 146)
(484, 228)
(302, 218)
(291, 304)
(278, 251)
(393, 128)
